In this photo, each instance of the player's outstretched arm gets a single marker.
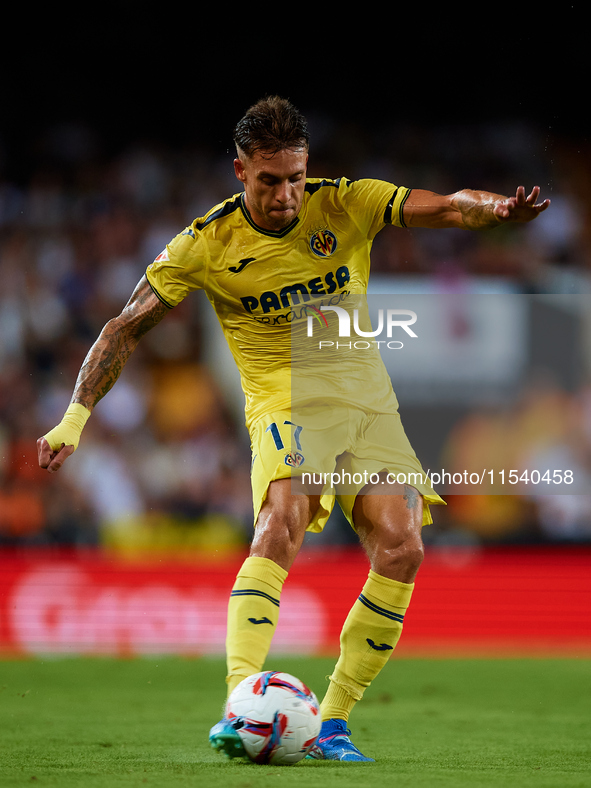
(101, 368)
(471, 210)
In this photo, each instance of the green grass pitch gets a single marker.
(104, 722)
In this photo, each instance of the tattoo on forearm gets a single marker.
(115, 344)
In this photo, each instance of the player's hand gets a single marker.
(50, 458)
(54, 448)
(521, 208)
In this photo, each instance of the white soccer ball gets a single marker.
(276, 716)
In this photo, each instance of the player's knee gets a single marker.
(413, 553)
(401, 560)
(279, 532)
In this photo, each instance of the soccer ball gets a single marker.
(277, 717)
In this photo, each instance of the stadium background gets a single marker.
(114, 136)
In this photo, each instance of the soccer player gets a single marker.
(259, 256)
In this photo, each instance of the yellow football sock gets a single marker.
(253, 611)
(370, 634)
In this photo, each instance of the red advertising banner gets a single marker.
(505, 601)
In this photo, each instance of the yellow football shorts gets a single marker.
(335, 451)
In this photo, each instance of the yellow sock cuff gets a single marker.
(339, 701)
(264, 570)
(390, 592)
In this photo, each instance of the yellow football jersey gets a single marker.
(259, 282)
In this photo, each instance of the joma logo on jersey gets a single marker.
(291, 294)
(323, 243)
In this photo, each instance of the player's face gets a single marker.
(273, 186)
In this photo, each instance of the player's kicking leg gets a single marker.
(390, 531)
(253, 608)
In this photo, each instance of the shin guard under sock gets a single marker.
(370, 634)
(253, 611)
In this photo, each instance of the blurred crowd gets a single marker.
(164, 461)
(544, 436)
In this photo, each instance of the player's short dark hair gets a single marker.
(271, 125)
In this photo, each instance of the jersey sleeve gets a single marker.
(375, 203)
(395, 210)
(179, 269)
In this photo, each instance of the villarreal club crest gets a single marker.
(323, 243)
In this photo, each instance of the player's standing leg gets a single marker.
(390, 531)
(253, 608)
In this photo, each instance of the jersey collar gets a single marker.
(255, 226)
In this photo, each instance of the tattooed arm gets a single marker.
(100, 370)
(115, 344)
